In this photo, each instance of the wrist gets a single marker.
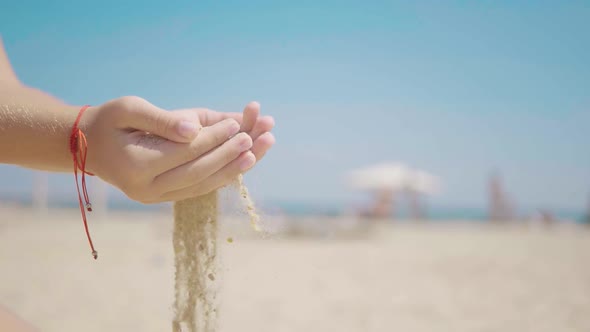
(66, 114)
(87, 125)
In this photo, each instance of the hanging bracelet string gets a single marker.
(79, 150)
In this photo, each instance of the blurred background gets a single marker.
(431, 170)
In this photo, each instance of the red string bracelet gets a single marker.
(79, 150)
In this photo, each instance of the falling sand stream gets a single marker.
(195, 259)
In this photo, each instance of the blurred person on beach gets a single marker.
(160, 155)
(586, 219)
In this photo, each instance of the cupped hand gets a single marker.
(154, 155)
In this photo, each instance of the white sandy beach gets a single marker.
(451, 277)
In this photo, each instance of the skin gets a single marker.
(160, 155)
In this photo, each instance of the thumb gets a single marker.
(173, 126)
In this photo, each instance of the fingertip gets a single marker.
(267, 138)
(251, 112)
(262, 145)
(248, 160)
(252, 107)
(268, 122)
(244, 141)
(250, 155)
(253, 104)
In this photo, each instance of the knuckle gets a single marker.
(123, 108)
(227, 127)
(130, 102)
(163, 124)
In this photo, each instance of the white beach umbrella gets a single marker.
(423, 182)
(393, 175)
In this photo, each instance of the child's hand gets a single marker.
(153, 155)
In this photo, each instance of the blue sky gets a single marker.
(458, 88)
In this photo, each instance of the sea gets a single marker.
(298, 208)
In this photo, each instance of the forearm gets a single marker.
(35, 129)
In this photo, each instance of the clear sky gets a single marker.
(458, 88)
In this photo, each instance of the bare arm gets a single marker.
(34, 133)
(34, 126)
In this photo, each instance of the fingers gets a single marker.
(165, 155)
(251, 112)
(262, 144)
(209, 117)
(221, 178)
(263, 125)
(250, 120)
(199, 169)
(141, 115)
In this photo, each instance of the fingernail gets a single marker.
(187, 129)
(246, 142)
(247, 162)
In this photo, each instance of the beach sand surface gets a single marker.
(411, 277)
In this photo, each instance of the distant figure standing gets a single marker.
(500, 208)
(416, 205)
(587, 217)
(547, 217)
(384, 204)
